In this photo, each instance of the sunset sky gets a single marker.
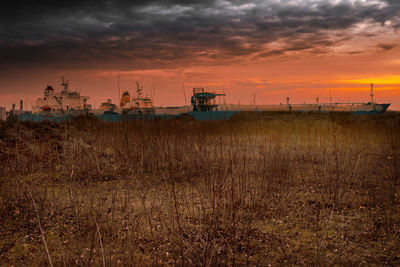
(268, 48)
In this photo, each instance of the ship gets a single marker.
(130, 108)
(138, 104)
(54, 106)
(204, 106)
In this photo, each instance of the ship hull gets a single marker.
(356, 108)
(213, 115)
(224, 113)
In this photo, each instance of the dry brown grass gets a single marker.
(269, 188)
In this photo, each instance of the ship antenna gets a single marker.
(372, 92)
(64, 84)
(139, 90)
(119, 89)
(153, 92)
(223, 91)
(184, 95)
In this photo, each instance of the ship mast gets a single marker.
(372, 92)
(119, 91)
(64, 84)
(139, 90)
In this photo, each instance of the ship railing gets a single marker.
(329, 104)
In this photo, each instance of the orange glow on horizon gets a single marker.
(382, 80)
(345, 78)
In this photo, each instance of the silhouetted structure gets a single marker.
(204, 101)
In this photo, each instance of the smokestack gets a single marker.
(20, 105)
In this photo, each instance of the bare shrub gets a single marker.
(270, 188)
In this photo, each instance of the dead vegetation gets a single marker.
(268, 188)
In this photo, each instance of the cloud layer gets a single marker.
(156, 34)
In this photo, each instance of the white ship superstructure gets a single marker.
(64, 100)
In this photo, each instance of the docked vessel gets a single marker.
(204, 106)
(55, 106)
(138, 104)
(130, 107)
(353, 107)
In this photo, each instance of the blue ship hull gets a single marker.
(110, 116)
(212, 115)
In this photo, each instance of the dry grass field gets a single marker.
(260, 189)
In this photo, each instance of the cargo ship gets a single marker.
(204, 106)
(130, 107)
(138, 104)
(63, 105)
(54, 105)
(353, 107)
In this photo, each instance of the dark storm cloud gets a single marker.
(159, 34)
(386, 47)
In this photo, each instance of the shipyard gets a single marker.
(154, 181)
(66, 104)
